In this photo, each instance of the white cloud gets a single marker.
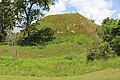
(97, 10)
(58, 8)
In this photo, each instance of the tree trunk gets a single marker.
(28, 20)
(28, 27)
(29, 33)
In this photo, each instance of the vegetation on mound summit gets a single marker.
(65, 23)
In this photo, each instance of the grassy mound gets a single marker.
(66, 23)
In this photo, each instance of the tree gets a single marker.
(29, 14)
(7, 20)
(110, 34)
(107, 28)
(116, 39)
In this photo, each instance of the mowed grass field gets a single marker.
(107, 74)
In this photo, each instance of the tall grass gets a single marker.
(67, 65)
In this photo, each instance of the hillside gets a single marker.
(74, 34)
(66, 23)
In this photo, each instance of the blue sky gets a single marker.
(116, 5)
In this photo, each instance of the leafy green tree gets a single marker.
(110, 35)
(28, 14)
(107, 28)
(116, 45)
(116, 39)
(7, 19)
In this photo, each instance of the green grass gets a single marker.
(69, 65)
(65, 56)
(72, 44)
(62, 57)
(107, 74)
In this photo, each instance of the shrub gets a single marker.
(116, 45)
(93, 52)
(106, 51)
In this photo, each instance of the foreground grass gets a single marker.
(69, 65)
(107, 74)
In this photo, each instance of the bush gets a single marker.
(93, 52)
(116, 45)
(106, 51)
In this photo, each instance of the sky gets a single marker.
(96, 10)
